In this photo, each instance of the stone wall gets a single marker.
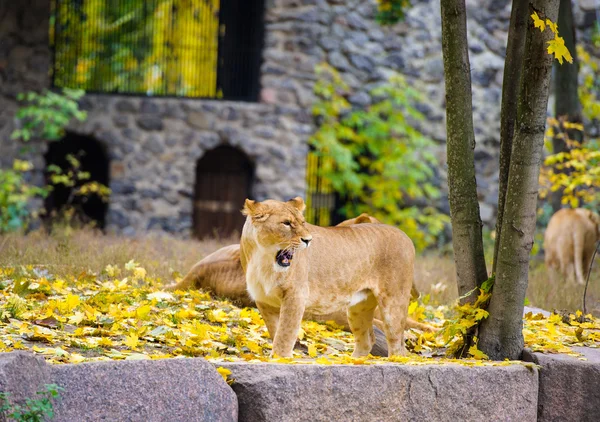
(154, 143)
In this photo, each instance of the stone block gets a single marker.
(569, 387)
(22, 375)
(144, 390)
(275, 392)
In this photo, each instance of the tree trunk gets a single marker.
(566, 98)
(464, 208)
(501, 334)
(510, 89)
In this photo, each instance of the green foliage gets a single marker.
(78, 183)
(15, 193)
(589, 87)
(45, 116)
(390, 12)
(36, 409)
(374, 158)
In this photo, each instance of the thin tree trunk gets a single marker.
(567, 106)
(464, 208)
(501, 334)
(510, 88)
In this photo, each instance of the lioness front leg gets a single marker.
(271, 317)
(290, 319)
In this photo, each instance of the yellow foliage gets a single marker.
(87, 319)
(557, 45)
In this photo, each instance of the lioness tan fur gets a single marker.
(221, 273)
(570, 240)
(293, 267)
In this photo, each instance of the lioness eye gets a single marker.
(287, 223)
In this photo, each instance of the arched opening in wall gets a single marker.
(89, 208)
(224, 178)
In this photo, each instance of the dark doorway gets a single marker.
(93, 159)
(223, 181)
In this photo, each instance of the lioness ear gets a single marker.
(254, 210)
(363, 218)
(298, 203)
(250, 207)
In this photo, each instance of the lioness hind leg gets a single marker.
(394, 310)
(360, 319)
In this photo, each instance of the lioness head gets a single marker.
(279, 226)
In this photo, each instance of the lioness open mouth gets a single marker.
(284, 257)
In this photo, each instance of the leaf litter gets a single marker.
(122, 314)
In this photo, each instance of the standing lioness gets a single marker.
(292, 267)
(570, 240)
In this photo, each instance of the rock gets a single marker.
(198, 120)
(395, 61)
(363, 63)
(337, 60)
(361, 99)
(274, 392)
(149, 122)
(149, 107)
(22, 375)
(569, 388)
(154, 144)
(125, 106)
(143, 390)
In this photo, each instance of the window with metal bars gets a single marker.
(183, 48)
(322, 202)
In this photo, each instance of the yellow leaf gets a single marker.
(553, 27)
(312, 350)
(560, 51)
(71, 302)
(76, 318)
(105, 342)
(76, 358)
(131, 341)
(217, 315)
(143, 312)
(139, 273)
(538, 23)
(323, 361)
(225, 373)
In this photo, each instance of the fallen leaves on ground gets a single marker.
(121, 313)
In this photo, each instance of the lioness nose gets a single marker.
(307, 241)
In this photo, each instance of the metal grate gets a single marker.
(184, 48)
(320, 196)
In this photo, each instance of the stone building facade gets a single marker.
(153, 144)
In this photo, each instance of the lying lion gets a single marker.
(293, 267)
(570, 240)
(221, 273)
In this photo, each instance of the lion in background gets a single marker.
(570, 240)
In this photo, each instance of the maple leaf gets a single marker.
(143, 312)
(560, 51)
(131, 341)
(77, 318)
(553, 26)
(537, 22)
